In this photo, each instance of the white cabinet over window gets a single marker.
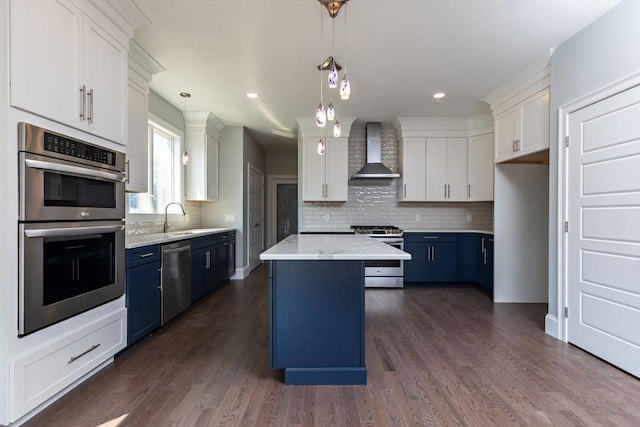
(141, 67)
(325, 176)
(70, 65)
(202, 133)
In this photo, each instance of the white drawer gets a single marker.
(39, 375)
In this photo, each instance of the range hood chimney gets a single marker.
(374, 167)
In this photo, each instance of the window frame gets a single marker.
(155, 122)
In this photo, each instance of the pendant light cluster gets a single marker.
(329, 114)
(185, 153)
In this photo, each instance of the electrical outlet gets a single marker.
(230, 218)
(327, 217)
(469, 217)
(417, 217)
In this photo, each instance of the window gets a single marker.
(165, 170)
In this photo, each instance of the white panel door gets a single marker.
(603, 244)
(436, 169)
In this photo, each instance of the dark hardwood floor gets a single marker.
(435, 356)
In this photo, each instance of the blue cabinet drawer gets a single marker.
(204, 241)
(142, 255)
(431, 237)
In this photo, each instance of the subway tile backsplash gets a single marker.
(134, 224)
(375, 202)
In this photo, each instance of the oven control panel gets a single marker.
(70, 147)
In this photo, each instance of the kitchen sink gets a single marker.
(180, 233)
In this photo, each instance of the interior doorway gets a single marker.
(286, 210)
(283, 207)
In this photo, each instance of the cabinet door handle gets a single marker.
(147, 255)
(90, 349)
(127, 171)
(207, 262)
(445, 191)
(469, 190)
(433, 253)
(405, 190)
(83, 103)
(485, 257)
(449, 191)
(90, 114)
(482, 245)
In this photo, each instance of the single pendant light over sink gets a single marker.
(185, 153)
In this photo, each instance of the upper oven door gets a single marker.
(57, 190)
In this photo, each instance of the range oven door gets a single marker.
(56, 190)
(67, 268)
(385, 273)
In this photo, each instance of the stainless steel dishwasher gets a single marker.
(176, 279)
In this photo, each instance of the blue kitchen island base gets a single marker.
(317, 321)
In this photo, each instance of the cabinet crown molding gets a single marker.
(203, 121)
(446, 127)
(125, 14)
(525, 84)
(142, 63)
(307, 127)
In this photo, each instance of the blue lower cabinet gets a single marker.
(470, 257)
(434, 258)
(317, 321)
(143, 292)
(488, 267)
(204, 266)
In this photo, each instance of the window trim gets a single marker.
(167, 127)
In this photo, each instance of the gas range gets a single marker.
(378, 230)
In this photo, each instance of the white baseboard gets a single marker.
(551, 326)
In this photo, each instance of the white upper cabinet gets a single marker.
(446, 165)
(523, 129)
(325, 176)
(480, 157)
(202, 133)
(413, 173)
(67, 67)
(433, 170)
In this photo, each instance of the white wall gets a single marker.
(520, 214)
(603, 52)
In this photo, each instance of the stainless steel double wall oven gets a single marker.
(71, 227)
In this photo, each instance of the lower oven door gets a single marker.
(385, 273)
(66, 269)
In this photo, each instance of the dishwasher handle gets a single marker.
(176, 250)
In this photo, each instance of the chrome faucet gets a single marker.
(165, 228)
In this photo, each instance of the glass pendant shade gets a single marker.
(331, 112)
(337, 129)
(345, 88)
(321, 147)
(333, 77)
(321, 116)
(185, 157)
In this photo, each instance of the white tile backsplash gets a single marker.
(145, 224)
(375, 202)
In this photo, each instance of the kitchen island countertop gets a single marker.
(347, 247)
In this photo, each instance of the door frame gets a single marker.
(250, 168)
(555, 323)
(272, 201)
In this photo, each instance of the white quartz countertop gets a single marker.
(332, 247)
(448, 231)
(138, 240)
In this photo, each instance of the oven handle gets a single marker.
(39, 164)
(73, 231)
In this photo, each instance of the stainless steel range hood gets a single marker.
(374, 167)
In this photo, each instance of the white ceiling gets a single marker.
(399, 53)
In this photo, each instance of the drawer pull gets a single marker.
(147, 255)
(90, 349)
(430, 237)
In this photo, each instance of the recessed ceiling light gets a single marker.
(438, 95)
(252, 95)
